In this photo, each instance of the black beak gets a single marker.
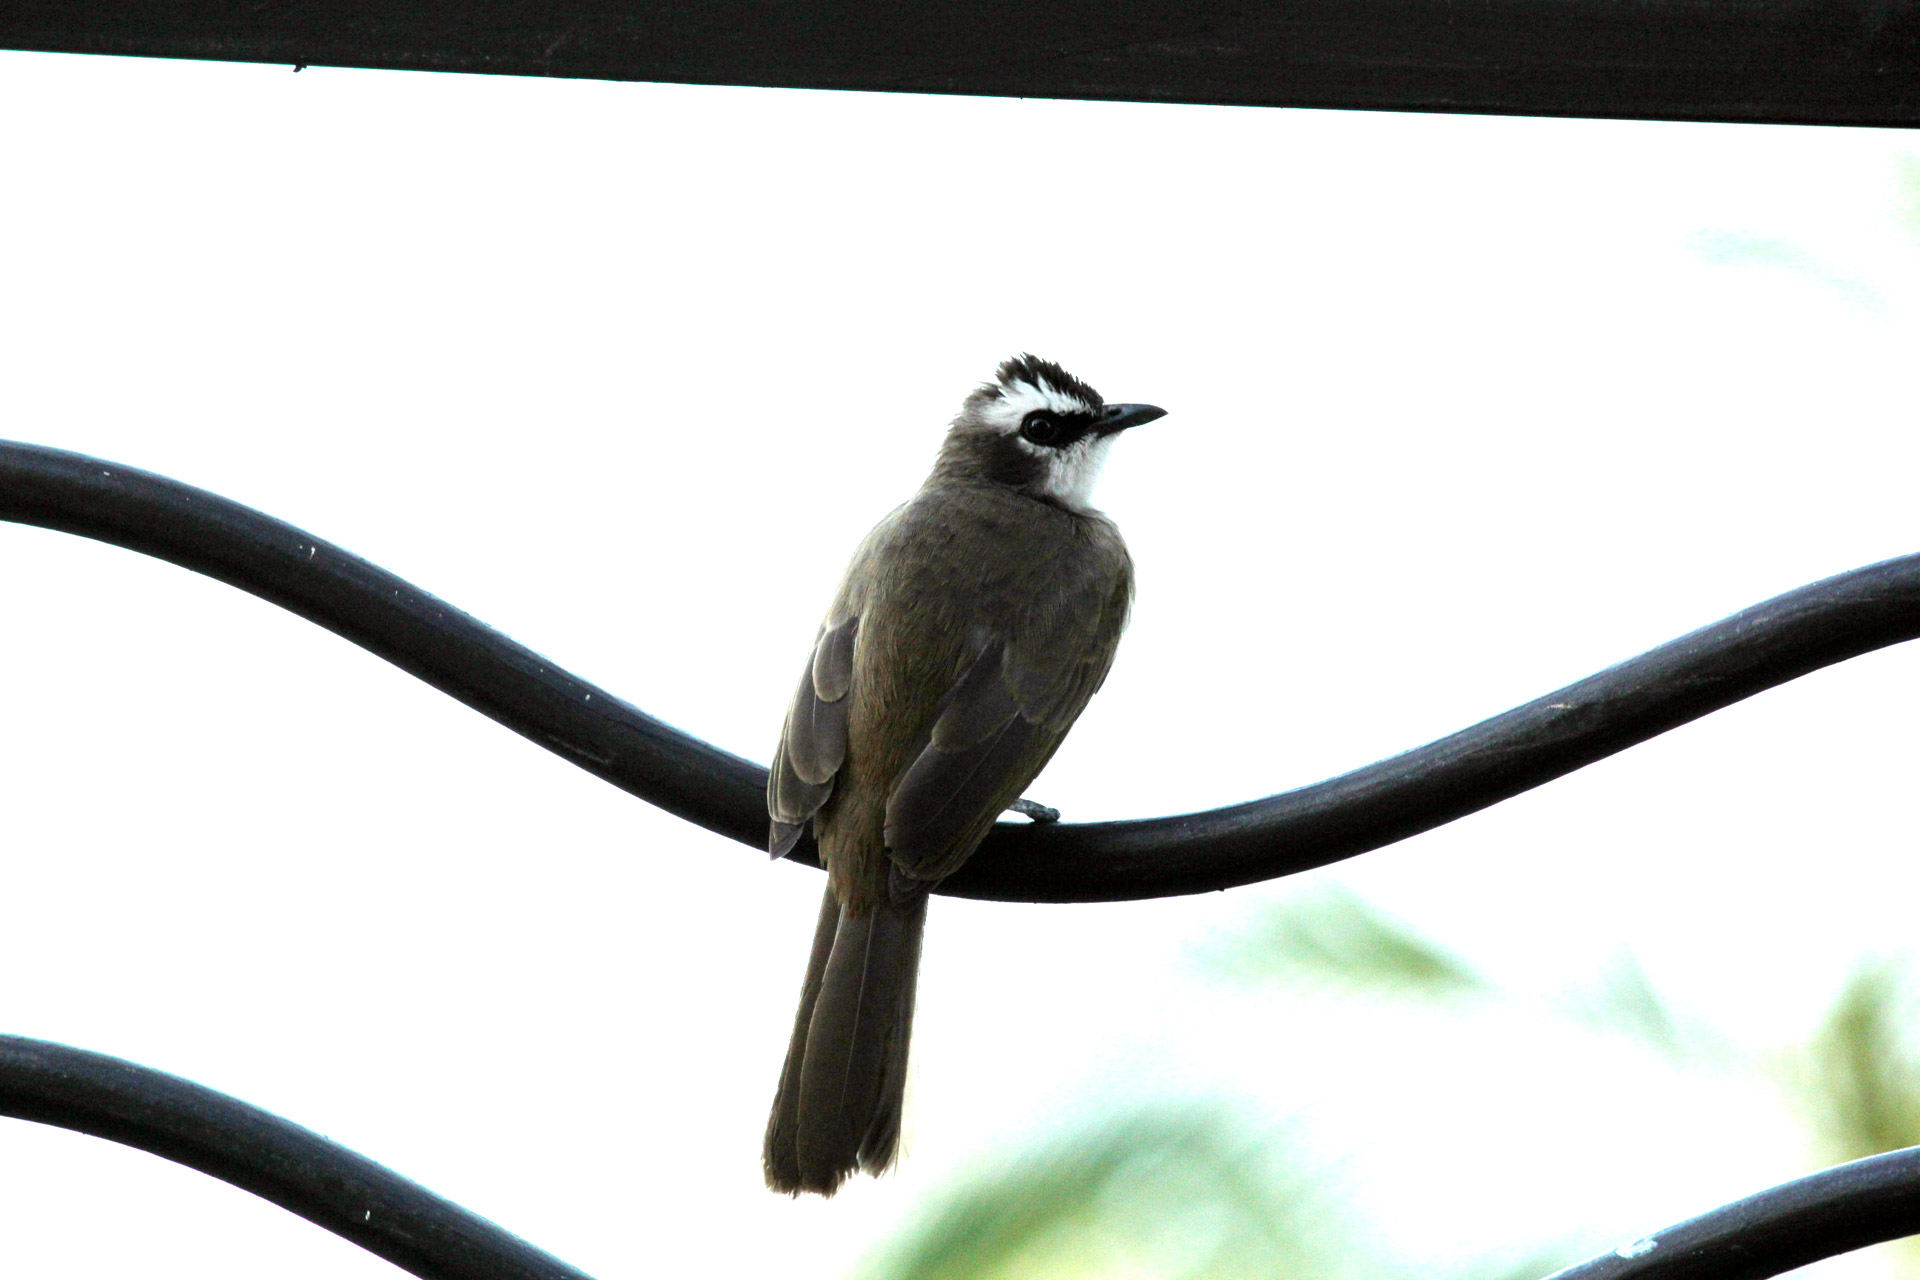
(1118, 417)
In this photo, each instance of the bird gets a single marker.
(968, 633)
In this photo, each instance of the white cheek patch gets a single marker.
(1020, 398)
(1072, 471)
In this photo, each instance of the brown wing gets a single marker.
(813, 745)
(999, 726)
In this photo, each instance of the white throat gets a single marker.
(1071, 471)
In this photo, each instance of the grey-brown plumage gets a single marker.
(969, 632)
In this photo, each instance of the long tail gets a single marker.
(838, 1108)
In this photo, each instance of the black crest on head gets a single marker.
(1045, 373)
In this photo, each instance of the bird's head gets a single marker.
(1038, 429)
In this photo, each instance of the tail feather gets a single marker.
(882, 1140)
(841, 1090)
(781, 1156)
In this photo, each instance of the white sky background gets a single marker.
(1461, 409)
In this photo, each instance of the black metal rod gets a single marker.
(1766, 645)
(275, 1159)
(417, 632)
(1800, 1222)
(1796, 1223)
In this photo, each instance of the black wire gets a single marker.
(1827, 1213)
(1831, 1212)
(415, 631)
(275, 1159)
(1766, 645)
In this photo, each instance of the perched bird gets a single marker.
(969, 632)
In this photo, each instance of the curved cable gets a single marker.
(1767, 645)
(277, 1160)
(1796, 1223)
(1827, 1213)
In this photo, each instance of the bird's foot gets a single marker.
(1033, 809)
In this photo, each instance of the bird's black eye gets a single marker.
(1043, 428)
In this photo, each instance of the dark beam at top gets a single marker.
(1781, 61)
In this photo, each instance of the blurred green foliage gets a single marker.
(1330, 934)
(1212, 1191)
(1743, 249)
(1171, 1192)
(1859, 1078)
(1910, 193)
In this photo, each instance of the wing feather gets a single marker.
(813, 744)
(973, 750)
(996, 729)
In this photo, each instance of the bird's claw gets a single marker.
(1034, 810)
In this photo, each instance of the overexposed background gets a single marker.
(1461, 409)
